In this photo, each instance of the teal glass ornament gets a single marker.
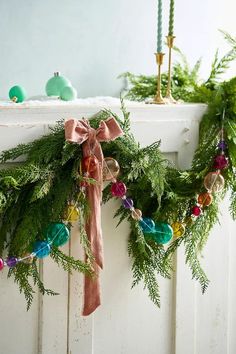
(57, 234)
(55, 85)
(147, 225)
(68, 93)
(41, 249)
(17, 94)
(163, 233)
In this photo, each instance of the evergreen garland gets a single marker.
(37, 192)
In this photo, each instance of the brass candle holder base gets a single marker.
(170, 44)
(158, 99)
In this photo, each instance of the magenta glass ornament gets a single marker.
(128, 203)
(11, 262)
(1, 263)
(118, 189)
(220, 162)
(196, 210)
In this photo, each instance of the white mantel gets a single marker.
(177, 124)
(127, 322)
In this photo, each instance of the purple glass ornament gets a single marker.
(222, 145)
(11, 262)
(220, 162)
(118, 189)
(128, 203)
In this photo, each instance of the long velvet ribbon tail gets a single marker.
(92, 291)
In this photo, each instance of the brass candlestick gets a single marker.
(170, 44)
(158, 99)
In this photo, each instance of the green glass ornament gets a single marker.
(163, 233)
(57, 234)
(17, 94)
(68, 93)
(55, 85)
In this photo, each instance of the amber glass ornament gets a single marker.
(111, 169)
(214, 182)
(71, 214)
(188, 221)
(178, 229)
(89, 164)
(205, 199)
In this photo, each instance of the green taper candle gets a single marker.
(171, 18)
(159, 27)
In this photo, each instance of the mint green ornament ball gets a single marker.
(56, 84)
(163, 233)
(17, 94)
(68, 93)
(57, 234)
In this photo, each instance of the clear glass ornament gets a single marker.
(111, 169)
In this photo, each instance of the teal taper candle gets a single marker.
(171, 18)
(159, 27)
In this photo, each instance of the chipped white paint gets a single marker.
(127, 322)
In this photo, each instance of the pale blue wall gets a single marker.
(93, 41)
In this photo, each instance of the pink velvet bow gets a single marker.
(81, 132)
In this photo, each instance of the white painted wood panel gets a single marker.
(127, 322)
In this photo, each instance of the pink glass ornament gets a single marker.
(136, 214)
(1, 263)
(118, 189)
(196, 210)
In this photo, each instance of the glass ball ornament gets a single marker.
(28, 258)
(220, 162)
(196, 210)
(55, 84)
(222, 145)
(205, 199)
(1, 264)
(147, 225)
(111, 169)
(188, 221)
(118, 189)
(17, 94)
(128, 203)
(68, 93)
(71, 214)
(57, 234)
(89, 164)
(41, 249)
(136, 214)
(163, 233)
(11, 262)
(214, 182)
(178, 229)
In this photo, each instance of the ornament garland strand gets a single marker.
(41, 193)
